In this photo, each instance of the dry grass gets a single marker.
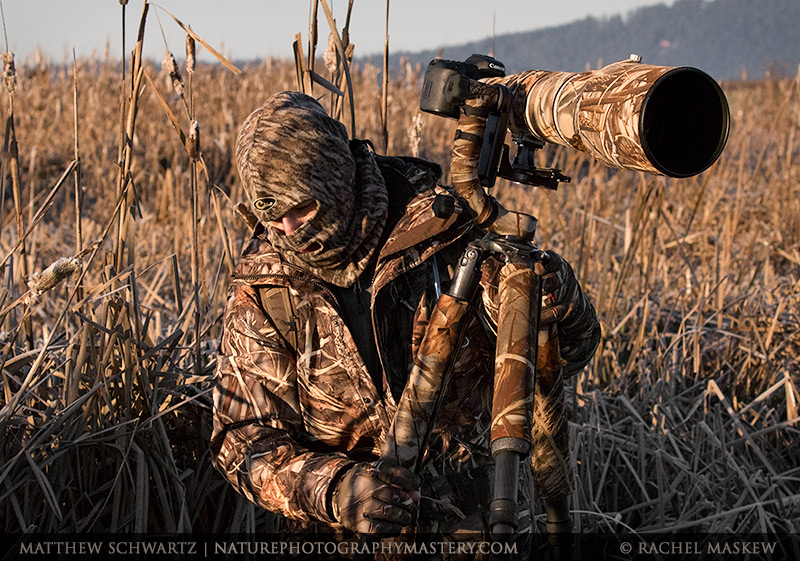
(687, 419)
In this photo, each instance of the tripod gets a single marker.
(528, 401)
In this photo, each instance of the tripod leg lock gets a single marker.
(467, 274)
(510, 443)
(503, 513)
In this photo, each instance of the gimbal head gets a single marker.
(523, 169)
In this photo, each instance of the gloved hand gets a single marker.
(376, 498)
(560, 290)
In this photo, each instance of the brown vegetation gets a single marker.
(687, 419)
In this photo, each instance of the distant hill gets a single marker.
(726, 38)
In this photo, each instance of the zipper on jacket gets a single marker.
(304, 276)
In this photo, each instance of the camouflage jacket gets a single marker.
(287, 423)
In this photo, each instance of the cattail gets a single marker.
(190, 47)
(39, 283)
(415, 135)
(411, 74)
(174, 74)
(9, 72)
(193, 142)
(330, 57)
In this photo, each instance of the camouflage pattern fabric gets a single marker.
(288, 426)
(568, 336)
(413, 417)
(374, 497)
(511, 424)
(278, 153)
(597, 111)
(515, 354)
(553, 469)
(577, 326)
(488, 212)
(565, 306)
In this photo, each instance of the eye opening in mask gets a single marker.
(295, 218)
(264, 203)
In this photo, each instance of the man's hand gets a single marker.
(376, 498)
(560, 289)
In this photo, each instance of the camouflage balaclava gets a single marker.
(289, 152)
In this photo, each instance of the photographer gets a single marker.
(325, 312)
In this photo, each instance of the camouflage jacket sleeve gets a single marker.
(578, 330)
(578, 334)
(256, 440)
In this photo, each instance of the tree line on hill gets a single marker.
(729, 39)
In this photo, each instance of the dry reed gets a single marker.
(686, 420)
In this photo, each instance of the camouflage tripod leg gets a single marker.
(524, 412)
(514, 370)
(551, 460)
(416, 411)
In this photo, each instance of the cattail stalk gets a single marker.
(71, 385)
(385, 87)
(127, 139)
(313, 35)
(342, 46)
(299, 63)
(193, 148)
(77, 171)
(10, 81)
(122, 111)
(196, 268)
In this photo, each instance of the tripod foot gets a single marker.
(558, 527)
(563, 527)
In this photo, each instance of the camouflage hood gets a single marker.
(290, 152)
(400, 248)
(418, 235)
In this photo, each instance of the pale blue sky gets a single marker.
(245, 29)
